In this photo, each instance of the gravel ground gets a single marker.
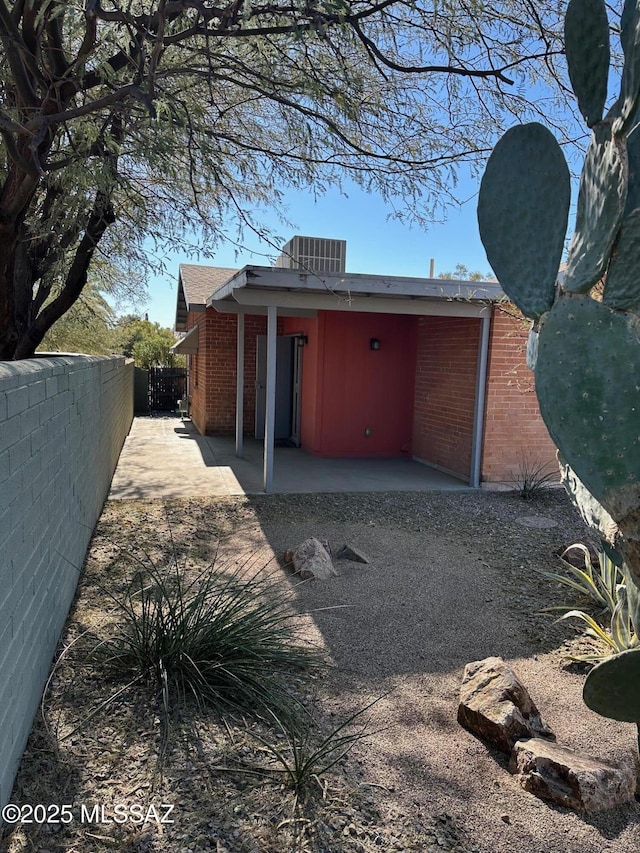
(451, 578)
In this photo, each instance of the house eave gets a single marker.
(298, 290)
(188, 345)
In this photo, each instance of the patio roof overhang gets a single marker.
(189, 344)
(277, 292)
(253, 290)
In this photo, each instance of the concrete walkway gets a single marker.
(166, 457)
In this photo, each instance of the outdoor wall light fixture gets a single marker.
(302, 340)
(374, 343)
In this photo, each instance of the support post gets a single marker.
(270, 409)
(240, 386)
(481, 392)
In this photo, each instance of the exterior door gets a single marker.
(285, 346)
(296, 402)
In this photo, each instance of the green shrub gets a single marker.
(226, 638)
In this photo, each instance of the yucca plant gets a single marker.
(596, 585)
(602, 588)
(534, 478)
(226, 638)
(304, 755)
(618, 638)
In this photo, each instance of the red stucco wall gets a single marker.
(349, 388)
(310, 376)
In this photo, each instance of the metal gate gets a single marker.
(167, 385)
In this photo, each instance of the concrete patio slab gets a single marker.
(165, 457)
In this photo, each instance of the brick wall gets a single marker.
(62, 425)
(213, 398)
(445, 390)
(197, 391)
(514, 430)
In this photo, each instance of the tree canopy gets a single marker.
(123, 121)
(87, 327)
(462, 273)
(147, 343)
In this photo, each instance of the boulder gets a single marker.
(312, 561)
(566, 778)
(496, 706)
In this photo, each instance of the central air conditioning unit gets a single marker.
(314, 254)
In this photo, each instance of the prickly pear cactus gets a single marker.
(586, 347)
(612, 687)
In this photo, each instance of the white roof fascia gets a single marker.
(253, 300)
(259, 287)
(236, 281)
(189, 343)
(398, 287)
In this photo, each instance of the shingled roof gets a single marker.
(195, 285)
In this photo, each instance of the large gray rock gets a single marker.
(312, 561)
(568, 779)
(496, 706)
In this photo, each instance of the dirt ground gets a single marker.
(451, 578)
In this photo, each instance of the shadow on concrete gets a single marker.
(296, 471)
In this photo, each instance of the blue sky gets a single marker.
(375, 244)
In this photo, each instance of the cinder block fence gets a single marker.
(63, 421)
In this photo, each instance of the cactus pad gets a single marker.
(601, 204)
(522, 213)
(622, 290)
(612, 688)
(586, 35)
(588, 386)
(633, 183)
(626, 106)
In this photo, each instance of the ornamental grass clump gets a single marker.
(304, 756)
(534, 478)
(226, 638)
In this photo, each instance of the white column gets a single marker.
(481, 392)
(270, 408)
(240, 386)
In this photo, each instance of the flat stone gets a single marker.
(312, 561)
(496, 706)
(567, 778)
(349, 552)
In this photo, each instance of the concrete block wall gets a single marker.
(63, 422)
